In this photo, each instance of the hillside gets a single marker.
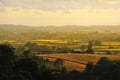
(80, 58)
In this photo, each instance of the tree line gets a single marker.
(41, 49)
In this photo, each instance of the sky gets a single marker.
(60, 12)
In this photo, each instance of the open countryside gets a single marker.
(57, 51)
(59, 39)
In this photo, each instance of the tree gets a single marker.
(58, 63)
(63, 70)
(90, 49)
(27, 65)
(46, 75)
(110, 47)
(27, 53)
(7, 58)
(109, 52)
(107, 70)
(32, 46)
(103, 60)
(89, 67)
(19, 50)
(90, 43)
(83, 47)
(98, 43)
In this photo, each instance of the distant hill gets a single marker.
(73, 32)
(66, 28)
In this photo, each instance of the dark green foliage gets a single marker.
(89, 67)
(46, 75)
(103, 60)
(83, 47)
(18, 77)
(7, 58)
(105, 70)
(32, 46)
(108, 70)
(64, 70)
(47, 49)
(27, 53)
(27, 64)
(97, 43)
(58, 64)
(90, 49)
(25, 67)
(36, 68)
(109, 52)
(6, 50)
(19, 50)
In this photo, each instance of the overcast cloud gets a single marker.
(60, 12)
(58, 4)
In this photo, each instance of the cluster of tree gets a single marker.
(54, 49)
(47, 49)
(27, 66)
(30, 67)
(86, 49)
(104, 69)
(34, 47)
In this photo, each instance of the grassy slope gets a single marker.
(82, 58)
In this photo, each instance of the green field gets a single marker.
(75, 44)
(64, 38)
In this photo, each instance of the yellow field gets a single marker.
(111, 43)
(53, 41)
(80, 58)
(100, 47)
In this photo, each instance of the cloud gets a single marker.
(85, 16)
(37, 12)
(1, 7)
(52, 5)
(44, 4)
(109, 2)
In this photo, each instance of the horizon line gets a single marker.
(55, 25)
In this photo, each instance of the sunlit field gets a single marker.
(74, 44)
(79, 58)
